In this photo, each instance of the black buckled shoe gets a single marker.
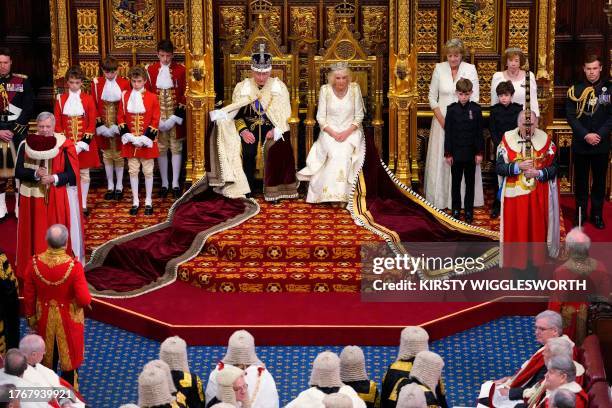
(598, 222)
(134, 210)
(86, 212)
(109, 195)
(457, 214)
(148, 210)
(469, 217)
(163, 192)
(118, 195)
(176, 192)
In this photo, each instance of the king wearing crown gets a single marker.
(257, 116)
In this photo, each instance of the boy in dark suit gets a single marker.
(463, 146)
(504, 116)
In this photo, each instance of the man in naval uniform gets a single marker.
(16, 106)
(589, 113)
(258, 113)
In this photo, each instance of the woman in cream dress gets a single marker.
(514, 60)
(441, 94)
(335, 159)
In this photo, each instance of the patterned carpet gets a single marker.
(288, 247)
(115, 357)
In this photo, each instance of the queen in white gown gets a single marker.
(335, 159)
(441, 94)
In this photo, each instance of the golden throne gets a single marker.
(366, 70)
(237, 66)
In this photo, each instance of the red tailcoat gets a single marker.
(55, 291)
(525, 204)
(107, 117)
(137, 124)
(177, 73)
(79, 128)
(36, 216)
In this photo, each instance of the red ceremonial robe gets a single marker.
(81, 128)
(177, 73)
(582, 398)
(103, 116)
(55, 291)
(36, 215)
(138, 124)
(529, 206)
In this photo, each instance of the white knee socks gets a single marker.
(84, 191)
(176, 169)
(148, 191)
(134, 185)
(3, 209)
(108, 168)
(119, 175)
(162, 161)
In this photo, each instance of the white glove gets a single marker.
(146, 141)
(114, 130)
(137, 141)
(163, 126)
(82, 147)
(102, 131)
(127, 138)
(176, 120)
(218, 114)
(278, 134)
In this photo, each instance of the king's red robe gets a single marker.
(530, 206)
(55, 292)
(40, 206)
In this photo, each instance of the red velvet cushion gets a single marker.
(593, 362)
(599, 395)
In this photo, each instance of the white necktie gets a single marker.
(164, 80)
(74, 106)
(111, 91)
(135, 104)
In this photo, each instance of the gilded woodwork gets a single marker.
(424, 79)
(518, 29)
(231, 26)
(178, 29)
(486, 69)
(87, 30)
(133, 24)
(90, 68)
(427, 31)
(332, 25)
(274, 23)
(124, 68)
(374, 23)
(60, 55)
(303, 21)
(475, 22)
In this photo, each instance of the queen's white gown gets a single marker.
(332, 166)
(437, 171)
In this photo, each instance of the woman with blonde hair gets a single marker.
(441, 94)
(514, 60)
(336, 157)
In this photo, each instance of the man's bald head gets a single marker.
(57, 236)
(33, 346)
(578, 243)
(15, 363)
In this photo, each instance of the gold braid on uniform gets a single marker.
(582, 101)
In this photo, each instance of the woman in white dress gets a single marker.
(514, 59)
(441, 94)
(336, 157)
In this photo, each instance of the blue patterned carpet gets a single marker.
(114, 358)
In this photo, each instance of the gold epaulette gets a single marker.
(24, 76)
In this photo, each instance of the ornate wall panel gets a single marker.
(87, 24)
(331, 25)
(427, 31)
(476, 22)
(90, 68)
(133, 23)
(423, 79)
(486, 69)
(518, 28)
(303, 21)
(231, 24)
(178, 27)
(374, 22)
